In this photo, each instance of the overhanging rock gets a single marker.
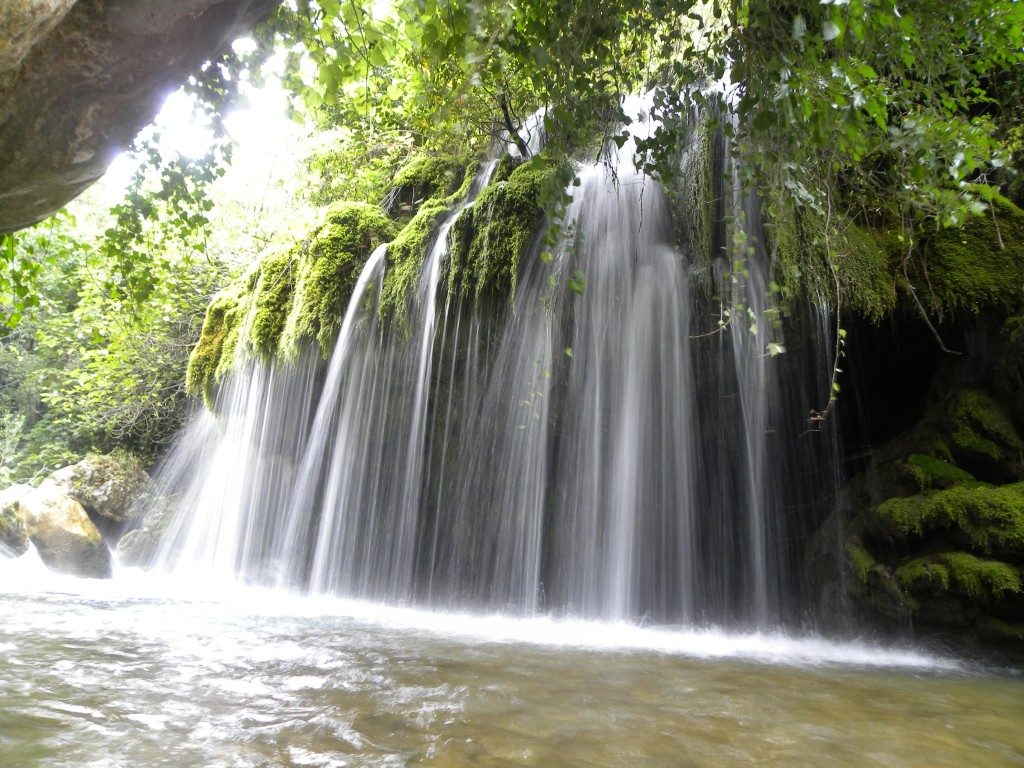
(80, 78)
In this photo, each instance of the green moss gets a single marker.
(506, 165)
(271, 300)
(875, 584)
(216, 344)
(986, 518)
(808, 264)
(490, 238)
(328, 271)
(863, 563)
(865, 276)
(961, 573)
(856, 255)
(13, 534)
(784, 244)
(301, 294)
(288, 297)
(978, 265)
(405, 256)
(407, 252)
(692, 194)
(981, 430)
(932, 473)
(426, 176)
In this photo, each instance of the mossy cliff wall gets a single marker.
(290, 297)
(974, 268)
(298, 296)
(934, 529)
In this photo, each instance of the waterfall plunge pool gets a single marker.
(140, 671)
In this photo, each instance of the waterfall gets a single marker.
(600, 454)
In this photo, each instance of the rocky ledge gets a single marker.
(80, 78)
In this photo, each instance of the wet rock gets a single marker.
(137, 549)
(78, 80)
(63, 534)
(933, 530)
(113, 487)
(13, 533)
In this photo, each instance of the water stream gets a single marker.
(148, 672)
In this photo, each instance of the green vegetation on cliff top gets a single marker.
(491, 236)
(289, 297)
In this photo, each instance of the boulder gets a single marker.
(80, 78)
(113, 487)
(13, 533)
(137, 549)
(63, 534)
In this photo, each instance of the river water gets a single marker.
(143, 672)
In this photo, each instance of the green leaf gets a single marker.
(765, 119)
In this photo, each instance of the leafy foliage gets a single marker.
(87, 369)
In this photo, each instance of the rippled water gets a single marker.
(125, 674)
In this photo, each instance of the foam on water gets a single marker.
(151, 601)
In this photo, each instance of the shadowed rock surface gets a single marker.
(13, 534)
(79, 79)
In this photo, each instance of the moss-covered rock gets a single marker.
(270, 301)
(979, 265)
(288, 297)
(932, 473)
(408, 251)
(985, 518)
(13, 533)
(328, 271)
(112, 488)
(981, 436)
(489, 238)
(213, 354)
(966, 435)
(865, 272)
(937, 538)
(422, 178)
(960, 573)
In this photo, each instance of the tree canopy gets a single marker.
(893, 116)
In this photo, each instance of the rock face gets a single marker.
(66, 538)
(23, 23)
(112, 487)
(13, 533)
(138, 548)
(79, 79)
(933, 529)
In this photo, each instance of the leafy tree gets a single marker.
(87, 368)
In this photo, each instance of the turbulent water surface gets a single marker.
(124, 675)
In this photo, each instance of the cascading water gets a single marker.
(602, 455)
